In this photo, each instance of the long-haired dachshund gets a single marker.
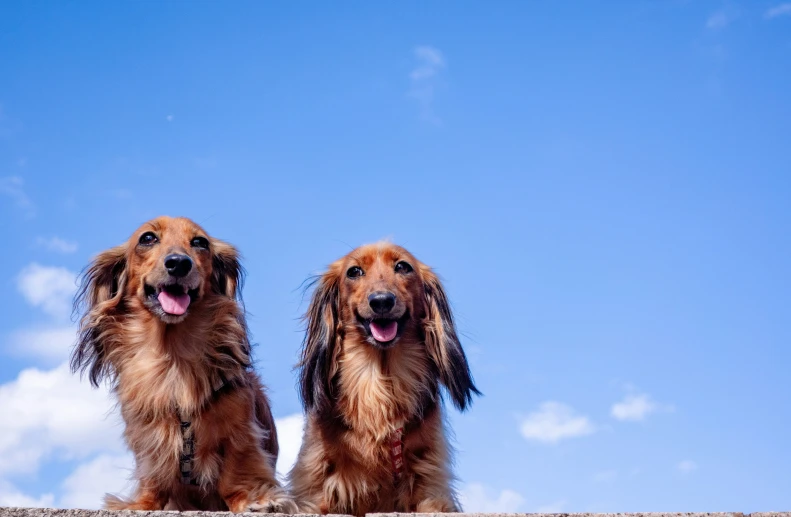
(380, 341)
(163, 323)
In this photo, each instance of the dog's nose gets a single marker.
(382, 301)
(178, 265)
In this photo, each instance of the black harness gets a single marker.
(187, 456)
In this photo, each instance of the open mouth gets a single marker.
(173, 299)
(384, 331)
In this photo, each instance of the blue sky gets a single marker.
(604, 189)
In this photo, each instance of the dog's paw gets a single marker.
(276, 504)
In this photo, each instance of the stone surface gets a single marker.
(565, 514)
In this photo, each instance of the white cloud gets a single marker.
(49, 288)
(779, 10)
(289, 438)
(687, 466)
(11, 496)
(721, 19)
(57, 244)
(555, 421)
(51, 413)
(86, 486)
(424, 80)
(475, 497)
(13, 187)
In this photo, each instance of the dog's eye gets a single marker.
(403, 268)
(200, 242)
(354, 272)
(148, 239)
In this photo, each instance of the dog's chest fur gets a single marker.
(380, 391)
(159, 379)
(158, 388)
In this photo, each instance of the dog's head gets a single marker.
(169, 267)
(380, 294)
(381, 289)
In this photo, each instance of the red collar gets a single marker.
(397, 452)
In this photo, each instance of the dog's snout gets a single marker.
(178, 265)
(382, 301)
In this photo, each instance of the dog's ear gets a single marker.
(227, 276)
(317, 363)
(442, 343)
(100, 293)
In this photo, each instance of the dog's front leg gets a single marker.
(431, 491)
(428, 461)
(247, 482)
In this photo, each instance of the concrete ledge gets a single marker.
(564, 514)
(52, 512)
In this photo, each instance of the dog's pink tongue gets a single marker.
(384, 331)
(175, 304)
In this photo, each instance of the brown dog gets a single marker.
(163, 324)
(380, 340)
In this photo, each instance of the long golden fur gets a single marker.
(169, 334)
(380, 341)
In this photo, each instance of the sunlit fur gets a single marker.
(163, 366)
(356, 394)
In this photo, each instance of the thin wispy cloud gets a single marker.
(49, 344)
(56, 244)
(553, 422)
(722, 18)
(687, 466)
(779, 10)
(637, 407)
(7, 126)
(424, 79)
(13, 188)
